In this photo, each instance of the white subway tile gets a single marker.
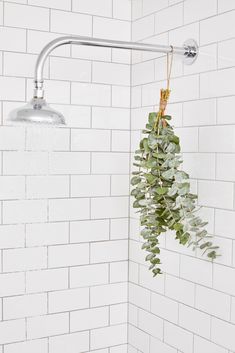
(84, 231)
(178, 337)
(110, 118)
(222, 279)
(218, 143)
(24, 16)
(70, 69)
(12, 236)
(68, 255)
(69, 163)
(223, 333)
(91, 275)
(143, 28)
(12, 88)
(12, 284)
(110, 163)
(39, 234)
(225, 110)
(150, 324)
(108, 28)
(67, 300)
(24, 211)
(202, 345)
(74, 343)
(109, 207)
(25, 65)
(143, 72)
(225, 169)
(164, 307)
(194, 321)
(200, 112)
(194, 11)
(122, 9)
(120, 185)
(24, 259)
(47, 186)
(108, 294)
(188, 138)
(175, 13)
(12, 187)
(147, 280)
(196, 270)
(110, 73)
(47, 139)
(90, 140)
(119, 228)
(217, 83)
(68, 209)
(71, 23)
(89, 319)
(180, 290)
(139, 296)
(150, 6)
(217, 28)
(158, 346)
(12, 331)
(118, 314)
(170, 262)
(86, 185)
(119, 271)
(46, 280)
(109, 251)
(24, 306)
(101, 8)
(57, 4)
(215, 194)
(226, 54)
(12, 39)
(90, 94)
(47, 325)
(225, 223)
(36, 346)
(138, 339)
(185, 88)
(121, 97)
(108, 336)
(213, 302)
(200, 165)
(121, 141)
(225, 5)
(26, 163)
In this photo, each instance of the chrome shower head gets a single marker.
(37, 112)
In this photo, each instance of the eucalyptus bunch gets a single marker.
(162, 193)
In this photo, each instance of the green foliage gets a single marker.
(162, 193)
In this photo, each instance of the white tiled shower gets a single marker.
(65, 283)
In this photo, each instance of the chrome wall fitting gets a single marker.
(37, 111)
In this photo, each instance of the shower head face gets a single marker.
(37, 112)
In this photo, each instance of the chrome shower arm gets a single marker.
(188, 51)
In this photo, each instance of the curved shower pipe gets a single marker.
(188, 51)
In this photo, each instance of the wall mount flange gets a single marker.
(191, 51)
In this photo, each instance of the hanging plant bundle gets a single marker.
(162, 191)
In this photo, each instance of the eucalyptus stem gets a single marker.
(162, 192)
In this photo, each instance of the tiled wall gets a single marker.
(191, 308)
(64, 192)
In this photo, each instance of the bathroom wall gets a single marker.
(64, 192)
(191, 308)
